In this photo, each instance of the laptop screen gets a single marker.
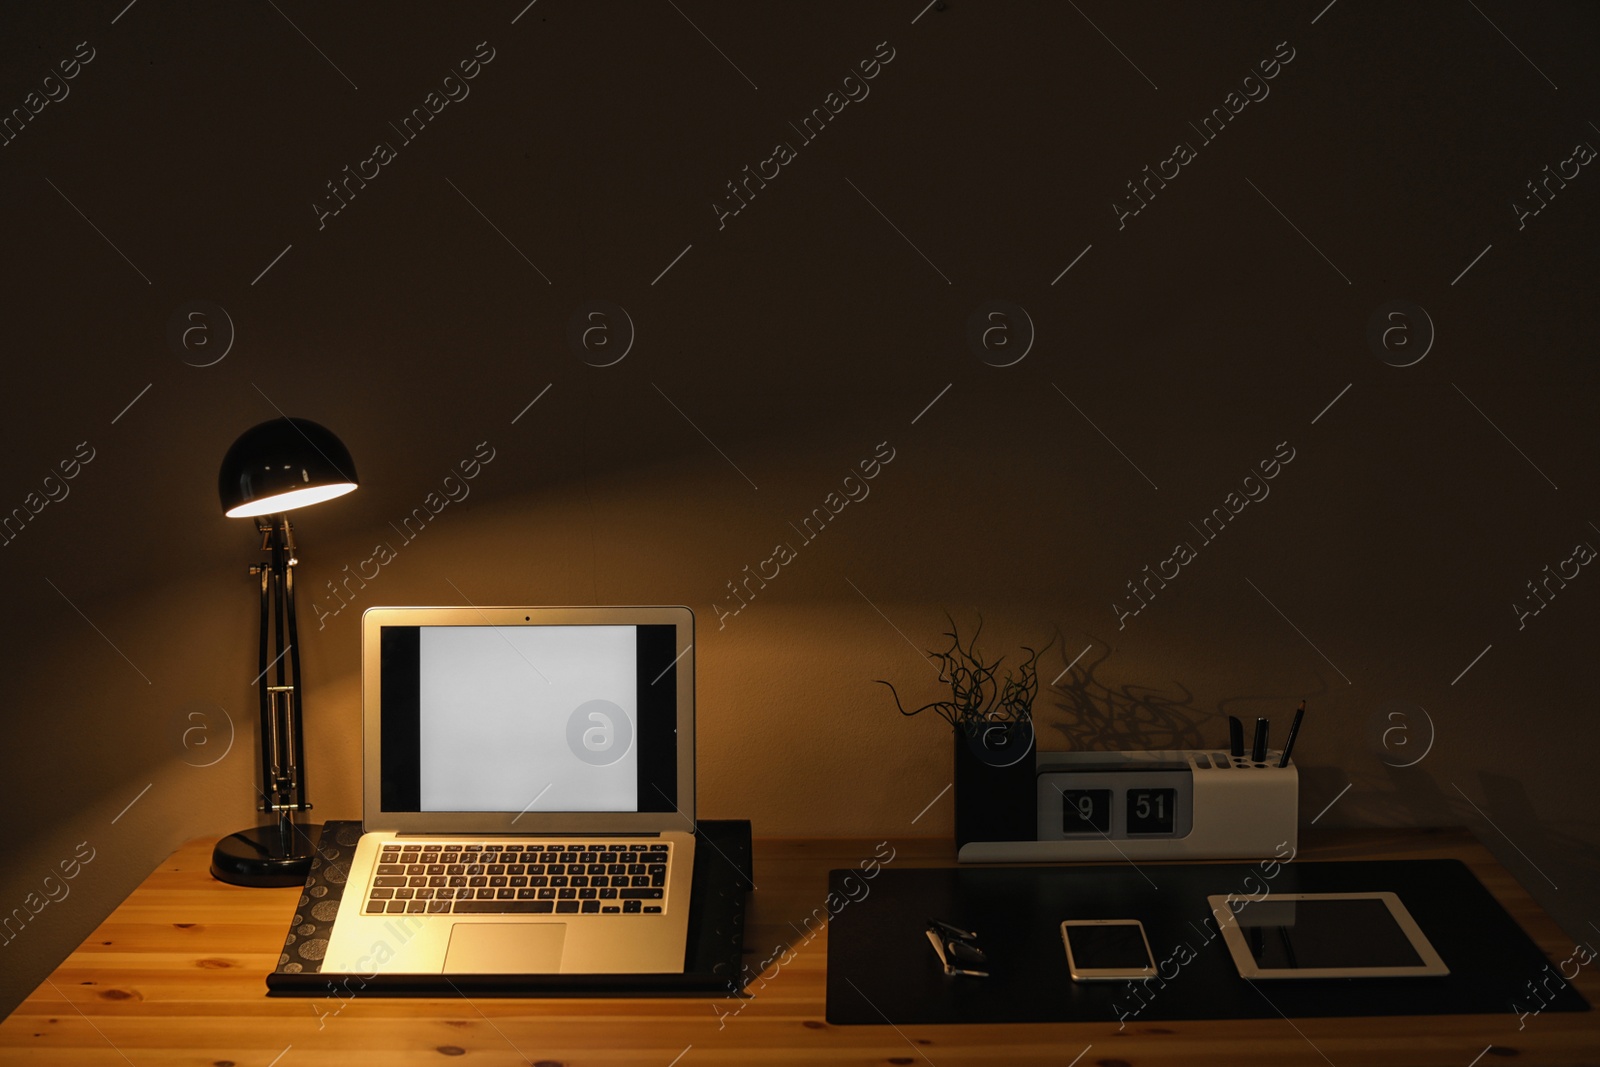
(529, 718)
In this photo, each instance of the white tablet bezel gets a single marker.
(1432, 965)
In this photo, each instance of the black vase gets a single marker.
(996, 795)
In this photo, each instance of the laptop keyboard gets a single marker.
(520, 879)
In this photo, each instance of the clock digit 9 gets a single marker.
(1086, 811)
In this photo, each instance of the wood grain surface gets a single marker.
(176, 975)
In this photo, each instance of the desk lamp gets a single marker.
(270, 470)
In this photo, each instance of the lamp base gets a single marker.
(254, 857)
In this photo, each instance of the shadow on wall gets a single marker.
(1098, 718)
(1133, 717)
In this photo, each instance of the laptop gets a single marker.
(528, 793)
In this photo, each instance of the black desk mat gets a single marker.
(722, 878)
(881, 968)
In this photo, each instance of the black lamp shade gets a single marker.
(281, 465)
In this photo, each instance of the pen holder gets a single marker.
(995, 781)
(1169, 805)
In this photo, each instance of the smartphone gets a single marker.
(1105, 950)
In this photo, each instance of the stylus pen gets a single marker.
(1258, 751)
(1294, 731)
(1235, 737)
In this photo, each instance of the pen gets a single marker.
(1258, 751)
(1235, 737)
(1294, 731)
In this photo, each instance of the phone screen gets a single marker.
(1114, 946)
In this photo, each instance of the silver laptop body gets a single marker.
(528, 793)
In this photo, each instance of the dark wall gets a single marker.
(1173, 350)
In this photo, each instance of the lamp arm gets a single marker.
(282, 744)
(295, 722)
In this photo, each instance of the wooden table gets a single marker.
(176, 976)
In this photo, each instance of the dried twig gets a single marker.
(975, 695)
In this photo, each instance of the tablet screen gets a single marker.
(1325, 935)
(1318, 934)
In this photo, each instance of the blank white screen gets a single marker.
(495, 704)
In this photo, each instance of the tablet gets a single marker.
(1324, 935)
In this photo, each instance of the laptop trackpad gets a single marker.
(505, 948)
